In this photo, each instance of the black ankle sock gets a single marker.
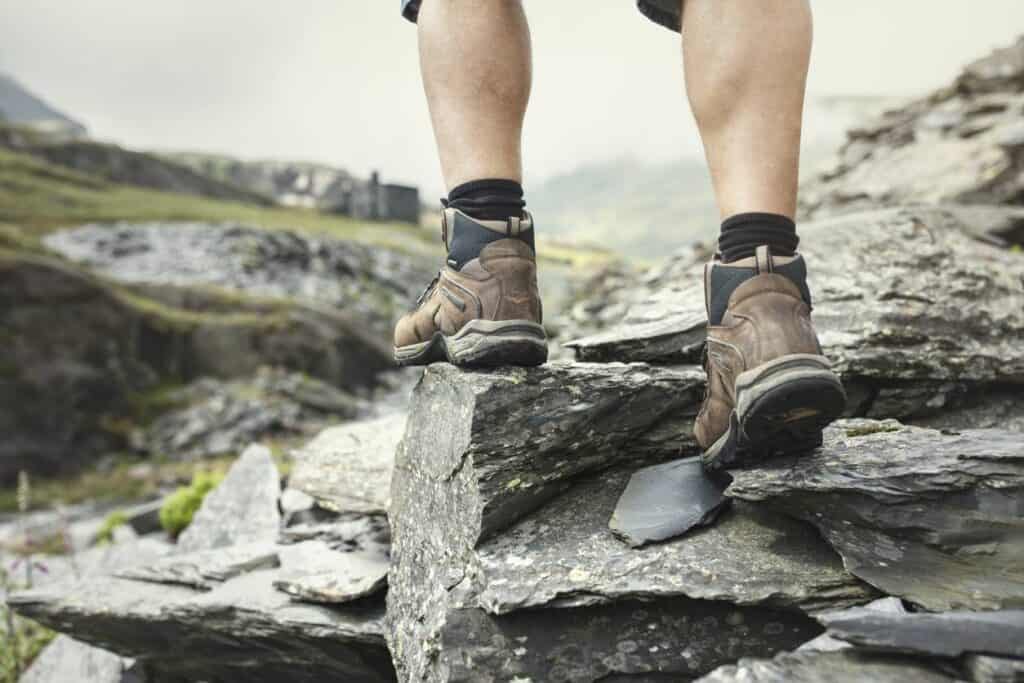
(743, 233)
(492, 199)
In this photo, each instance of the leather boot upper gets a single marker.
(500, 283)
(767, 314)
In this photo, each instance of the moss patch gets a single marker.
(178, 508)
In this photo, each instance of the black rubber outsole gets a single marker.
(516, 352)
(787, 420)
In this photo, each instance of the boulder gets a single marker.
(242, 509)
(919, 318)
(516, 436)
(932, 517)
(347, 468)
(490, 574)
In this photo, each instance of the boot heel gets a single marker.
(486, 343)
(781, 408)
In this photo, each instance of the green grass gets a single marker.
(42, 197)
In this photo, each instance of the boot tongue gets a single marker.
(722, 279)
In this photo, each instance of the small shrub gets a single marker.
(106, 533)
(179, 507)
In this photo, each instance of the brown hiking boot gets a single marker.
(769, 388)
(483, 308)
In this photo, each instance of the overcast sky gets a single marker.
(337, 80)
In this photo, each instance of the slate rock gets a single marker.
(347, 468)
(846, 666)
(915, 314)
(514, 437)
(242, 509)
(205, 568)
(314, 572)
(557, 597)
(66, 660)
(949, 634)
(931, 517)
(269, 263)
(826, 643)
(960, 143)
(242, 629)
(664, 501)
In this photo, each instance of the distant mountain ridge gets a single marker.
(21, 107)
(646, 210)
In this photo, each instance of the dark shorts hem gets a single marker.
(664, 12)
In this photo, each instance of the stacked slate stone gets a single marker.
(262, 586)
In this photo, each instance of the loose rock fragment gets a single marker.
(664, 501)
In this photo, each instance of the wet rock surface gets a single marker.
(918, 317)
(931, 517)
(664, 501)
(961, 143)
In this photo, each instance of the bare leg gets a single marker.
(746, 68)
(475, 60)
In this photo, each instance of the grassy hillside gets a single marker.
(40, 197)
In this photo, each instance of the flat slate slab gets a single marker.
(667, 500)
(205, 568)
(243, 627)
(347, 468)
(949, 634)
(314, 572)
(565, 554)
(937, 519)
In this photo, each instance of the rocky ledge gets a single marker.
(921, 319)
(962, 143)
(503, 559)
(934, 517)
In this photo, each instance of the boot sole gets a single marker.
(481, 343)
(781, 409)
